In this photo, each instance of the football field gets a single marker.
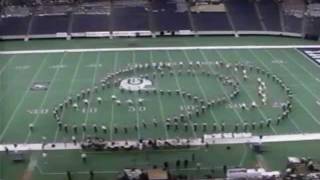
(58, 96)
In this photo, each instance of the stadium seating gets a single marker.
(171, 21)
(261, 16)
(312, 25)
(167, 17)
(293, 12)
(313, 10)
(312, 19)
(211, 21)
(243, 15)
(14, 25)
(16, 11)
(49, 24)
(163, 5)
(121, 22)
(92, 23)
(293, 24)
(270, 14)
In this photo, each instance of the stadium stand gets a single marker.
(49, 24)
(90, 22)
(312, 21)
(293, 24)
(16, 11)
(243, 15)
(167, 17)
(121, 23)
(215, 21)
(210, 17)
(13, 26)
(269, 11)
(163, 5)
(93, 8)
(47, 18)
(313, 10)
(293, 15)
(178, 21)
(51, 10)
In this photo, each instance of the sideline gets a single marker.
(212, 139)
(157, 48)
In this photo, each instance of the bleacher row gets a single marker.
(159, 16)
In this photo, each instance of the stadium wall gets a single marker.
(107, 34)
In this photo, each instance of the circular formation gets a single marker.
(140, 79)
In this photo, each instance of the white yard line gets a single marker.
(179, 87)
(90, 98)
(44, 100)
(32, 163)
(215, 119)
(136, 96)
(300, 66)
(293, 75)
(7, 64)
(261, 112)
(304, 69)
(298, 80)
(115, 64)
(304, 55)
(22, 99)
(69, 91)
(261, 162)
(222, 88)
(1, 71)
(299, 102)
(157, 48)
(160, 103)
(244, 155)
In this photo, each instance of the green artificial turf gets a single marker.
(66, 74)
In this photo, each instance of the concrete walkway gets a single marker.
(211, 139)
